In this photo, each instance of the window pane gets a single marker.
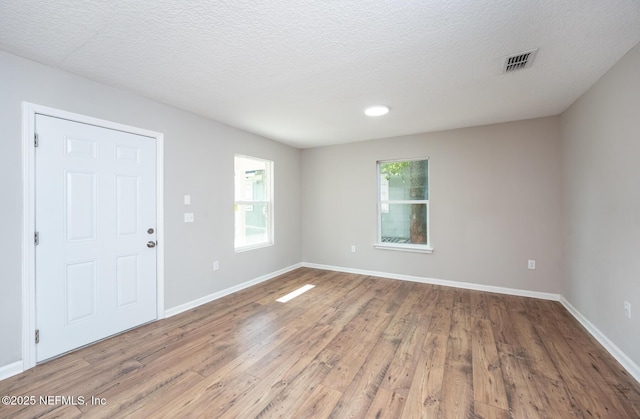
(251, 179)
(251, 224)
(404, 223)
(253, 202)
(405, 180)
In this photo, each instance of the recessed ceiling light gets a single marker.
(377, 110)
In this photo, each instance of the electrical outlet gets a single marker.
(627, 309)
(531, 264)
(188, 217)
(216, 265)
(353, 248)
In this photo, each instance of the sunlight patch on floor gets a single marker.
(294, 294)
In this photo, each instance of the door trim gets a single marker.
(29, 112)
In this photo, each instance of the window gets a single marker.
(403, 205)
(253, 202)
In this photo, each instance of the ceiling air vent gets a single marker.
(519, 61)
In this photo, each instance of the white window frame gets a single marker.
(406, 247)
(268, 203)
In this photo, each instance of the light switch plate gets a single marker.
(187, 199)
(627, 309)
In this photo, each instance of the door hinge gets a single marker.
(36, 238)
(36, 140)
(37, 335)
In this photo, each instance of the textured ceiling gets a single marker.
(301, 71)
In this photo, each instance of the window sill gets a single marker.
(252, 247)
(403, 247)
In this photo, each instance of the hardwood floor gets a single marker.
(353, 346)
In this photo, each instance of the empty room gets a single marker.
(320, 209)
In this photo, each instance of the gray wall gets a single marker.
(601, 180)
(198, 161)
(494, 197)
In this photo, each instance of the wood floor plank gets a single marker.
(488, 385)
(304, 345)
(529, 339)
(462, 300)
(353, 346)
(404, 364)
(441, 317)
(160, 400)
(410, 325)
(589, 354)
(479, 307)
(65, 412)
(486, 411)
(457, 386)
(270, 391)
(241, 361)
(589, 392)
(319, 404)
(39, 410)
(359, 395)
(503, 329)
(425, 393)
(407, 305)
(459, 340)
(288, 398)
(208, 399)
(386, 404)
(120, 394)
(60, 369)
(526, 398)
(228, 348)
(354, 342)
(556, 399)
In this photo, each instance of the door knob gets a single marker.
(151, 244)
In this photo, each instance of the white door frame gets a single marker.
(29, 111)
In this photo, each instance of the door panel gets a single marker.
(127, 199)
(95, 201)
(80, 206)
(127, 280)
(80, 291)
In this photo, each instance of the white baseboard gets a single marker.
(208, 298)
(454, 284)
(626, 362)
(10, 370)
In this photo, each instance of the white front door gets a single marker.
(96, 220)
